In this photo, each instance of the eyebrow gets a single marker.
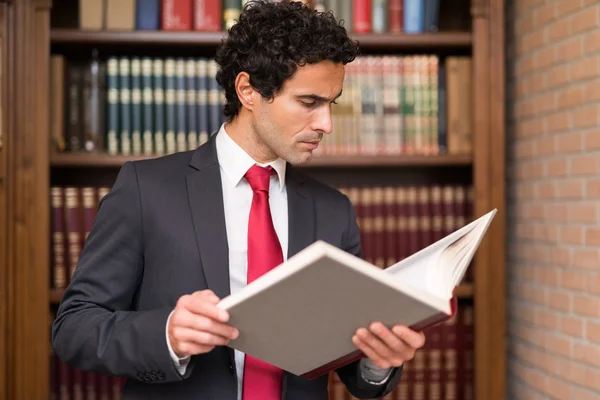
(316, 97)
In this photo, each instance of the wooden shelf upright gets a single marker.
(28, 166)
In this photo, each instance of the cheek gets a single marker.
(290, 119)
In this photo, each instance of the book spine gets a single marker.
(159, 106)
(147, 15)
(362, 16)
(207, 15)
(171, 108)
(147, 105)
(112, 115)
(202, 84)
(181, 104)
(176, 15)
(191, 103)
(136, 106)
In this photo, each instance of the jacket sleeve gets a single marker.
(351, 374)
(95, 328)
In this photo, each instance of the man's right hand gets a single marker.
(197, 325)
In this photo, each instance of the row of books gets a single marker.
(155, 106)
(442, 370)
(360, 16)
(395, 221)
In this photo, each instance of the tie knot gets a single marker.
(258, 177)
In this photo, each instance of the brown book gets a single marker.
(120, 15)
(59, 265)
(73, 227)
(91, 14)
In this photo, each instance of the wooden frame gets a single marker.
(3, 216)
(25, 162)
(26, 147)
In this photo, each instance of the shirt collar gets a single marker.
(236, 162)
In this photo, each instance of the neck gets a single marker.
(241, 131)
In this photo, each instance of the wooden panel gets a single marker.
(489, 183)
(27, 211)
(3, 222)
(496, 266)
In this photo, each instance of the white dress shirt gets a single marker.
(237, 199)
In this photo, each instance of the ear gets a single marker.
(245, 92)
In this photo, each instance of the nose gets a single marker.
(323, 122)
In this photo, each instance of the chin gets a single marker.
(297, 158)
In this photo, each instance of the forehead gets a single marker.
(324, 77)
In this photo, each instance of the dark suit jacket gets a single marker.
(160, 234)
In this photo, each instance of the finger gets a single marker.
(389, 338)
(369, 352)
(199, 305)
(381, 348)
(187, 319)
(185, 335)
(189, 348)
(208, 295)
(413, 339)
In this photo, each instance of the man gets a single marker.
(180, 232)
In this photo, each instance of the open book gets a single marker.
(301, 315)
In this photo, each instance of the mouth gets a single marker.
(312, 145)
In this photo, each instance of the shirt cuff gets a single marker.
(373, 374)
(180, 363)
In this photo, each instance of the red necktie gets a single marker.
(262, 381)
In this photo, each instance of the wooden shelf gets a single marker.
(95, 160)
(464, 291)
(368, 41)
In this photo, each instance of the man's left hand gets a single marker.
(388, 347)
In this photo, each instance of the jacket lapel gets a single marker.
(208, 215)
(301, 213)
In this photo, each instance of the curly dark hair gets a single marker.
(271, 39)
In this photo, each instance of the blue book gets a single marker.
(147, 15)
(413, 16)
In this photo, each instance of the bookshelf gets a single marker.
(341, 161)
(436, 40)
(29, 167)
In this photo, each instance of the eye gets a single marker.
(309, 104)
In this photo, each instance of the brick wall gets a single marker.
(553, 105)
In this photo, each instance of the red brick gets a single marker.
(584, 165)
(584, 20)
(557, 76)
(586, 306)
(584, 69)
(574, 280)
(584, 213)
(593, 331)
(593, 188)
(585, 117)
(559, 300)
(591, 42)
(586, 258)
(572, 326)
(544, 14)
(564, 7)
(572, 189)
(556, 168)
(570, 97)
(593, 286)
(592, 91)
(570, 143)
(569, 49)
(558, 30)
(592, 237)
(592, 140)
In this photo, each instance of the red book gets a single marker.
(362, 16)
(176, 15)
(208, 15)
